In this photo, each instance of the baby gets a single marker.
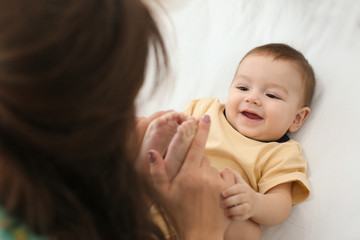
(269, 97)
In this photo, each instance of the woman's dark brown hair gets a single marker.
(69, 74)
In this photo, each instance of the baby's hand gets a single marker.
(240, 201)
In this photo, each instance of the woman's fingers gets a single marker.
(158, 172)
(179, 146)
(194, 195)
(196, 150)
(205, 162)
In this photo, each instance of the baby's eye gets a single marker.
(272, 96)
(242, 88)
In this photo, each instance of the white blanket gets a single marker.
(207, 39)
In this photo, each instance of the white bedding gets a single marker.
(207, 38)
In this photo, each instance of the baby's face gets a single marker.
(265, 99)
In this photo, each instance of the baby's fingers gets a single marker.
(233, 201)
(228, 178)
(237, 176)
(238, 188)
(238, 212)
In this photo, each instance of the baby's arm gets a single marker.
(241, 202)
(275, 205)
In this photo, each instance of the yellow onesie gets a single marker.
(263, 165)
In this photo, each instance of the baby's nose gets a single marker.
(253, 99)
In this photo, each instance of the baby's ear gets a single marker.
(300, 118)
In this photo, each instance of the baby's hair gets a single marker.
(282, 51)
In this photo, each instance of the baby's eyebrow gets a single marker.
(274, 85)
(247, 78)
(242, 77)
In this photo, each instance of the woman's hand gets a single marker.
(165, 132)
(193, 197)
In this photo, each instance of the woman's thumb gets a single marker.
(158, 171)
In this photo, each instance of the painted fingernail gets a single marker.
(206, 118)
(151, 157)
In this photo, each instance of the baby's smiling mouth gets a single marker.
(251, 115)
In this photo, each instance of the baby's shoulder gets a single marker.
(290, 148)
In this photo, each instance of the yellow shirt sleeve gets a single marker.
(286, 164)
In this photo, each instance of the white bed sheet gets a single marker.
(206, 40)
